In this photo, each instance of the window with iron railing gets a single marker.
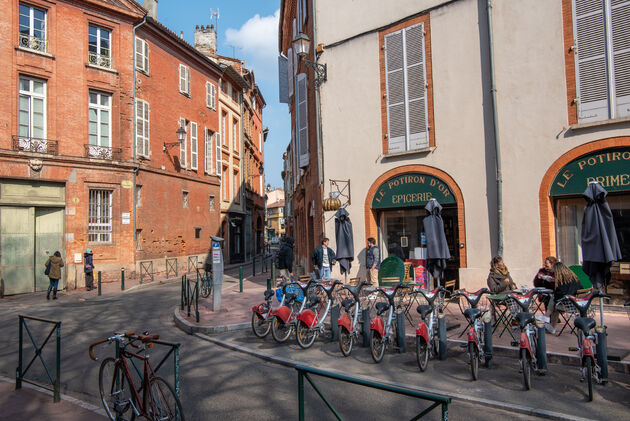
(100, 216)
(99, 46)
(32, 109)
(32, 28)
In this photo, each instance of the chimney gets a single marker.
(151, 6)
(206, 40)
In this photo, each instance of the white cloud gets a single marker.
(258, 36)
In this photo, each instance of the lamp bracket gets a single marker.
(342, 188)
(321, 73)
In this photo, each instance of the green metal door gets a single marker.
(17, 236)
(48, 239)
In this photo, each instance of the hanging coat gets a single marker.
(600, 246)
(437, 247)
(345, 241)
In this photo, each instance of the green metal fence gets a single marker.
(303, 372)
(20, 372)
(190, 296)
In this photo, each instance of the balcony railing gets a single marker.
(103, 152)
(31, 144)
(33, 43)
(100, 60)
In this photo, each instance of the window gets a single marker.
(100, 216)
(32, 109)
(225, 195)
(184, 199)
(183, 151)
(602, 59)
(184, 79)
(142, 127)
(142, 55)
(217, 142)
(211, 93)
(193, 145)
(235, 135)
(99, 46)
(100, 120)
(211, 202)
(236, 186)
(223, 128)
(224, 86)
(235, 95)
(207, 163)
(32, 27)
(302, 119)
(197, 232)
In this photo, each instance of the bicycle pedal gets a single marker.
(573, 349)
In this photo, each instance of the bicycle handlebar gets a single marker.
(120, 337)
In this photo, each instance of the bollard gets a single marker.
(253, 265)
(122, 279)
(365, 327)
(334, 317)
(602, 354)
(400, 332)
(240, 279)
(268, 284)
(99, 282)
(487, 341)
(541, 349)
(181, 301)
(442, 336)
(273, 270)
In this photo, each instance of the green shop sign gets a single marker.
(411, 189)
(610, 167)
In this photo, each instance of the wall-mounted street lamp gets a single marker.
(301, 46)
(261, 171)
(181, 135)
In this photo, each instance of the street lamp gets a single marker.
(181, 135)
(301, 46)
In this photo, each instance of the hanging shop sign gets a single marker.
(610, 167)
(411, 189)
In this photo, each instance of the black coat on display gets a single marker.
(437, 247)
(600, 246)
(285, 255)
(345, 240)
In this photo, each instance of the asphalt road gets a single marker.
(215, 382)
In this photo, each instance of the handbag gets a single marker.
(47, 271)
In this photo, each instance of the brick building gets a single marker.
(503, 111)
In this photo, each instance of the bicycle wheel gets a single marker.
(422, 353)
(588, 373)
(280, 330)
(114, 389)
(206, 288)
(377, 347)
(473, 355)
(526, 368)
(345, 342)
(305, 336)
(260, 326)
(165, 404)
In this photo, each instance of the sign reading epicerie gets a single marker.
(610, 167)
(411, 189)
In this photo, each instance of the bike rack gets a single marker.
(171, 267)
(146, 271)
(190, 296)
(303, 372)
(20, 373)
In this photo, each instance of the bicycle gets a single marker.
(309, 323)
(476, 331)
(587, 340)
(347, 327)
(284, 320)
(118, 391)
(262, 314)
(206, 283)
(428, 340)
(528, 344)
(381, 333)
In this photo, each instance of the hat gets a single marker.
(88, 251)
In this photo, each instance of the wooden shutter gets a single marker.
(620, 19)
(590, 60)
(290, 72)
(207, 151)
(302, 120)
(183, 147)
(193, 145)
(395, 85)
(142, 127)
(217, 141)
(415, 81)
(283, 79)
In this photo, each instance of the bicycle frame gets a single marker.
(310, 318)
(382, 328)
(264, 309)
(286, 314)
(148, 372)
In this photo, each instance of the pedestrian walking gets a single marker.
(323, 258)
(53, 270)
(285, 258)
(373, 257)
(88, 268)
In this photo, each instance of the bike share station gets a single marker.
(216, 268)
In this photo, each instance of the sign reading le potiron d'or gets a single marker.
(610, 167)
(411, 189)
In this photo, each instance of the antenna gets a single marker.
(215, 14)
(234, 48)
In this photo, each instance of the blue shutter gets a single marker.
(283, 79)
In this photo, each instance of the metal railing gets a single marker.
(192, 263)
(146, 271)
(303, 372)
(20, 372)
(33, 43)
(103, 152)
(36, 145)
(101, 60)
(190, 296)
(171, 267)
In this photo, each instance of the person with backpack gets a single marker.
(285, 258)
(88, 268)
(53, 270)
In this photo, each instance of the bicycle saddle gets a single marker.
(585, 324)
(268, 294)
(524, 318)
(472, 313)
(314, 301)
(381, 307)
(424, 310)
(347, 303)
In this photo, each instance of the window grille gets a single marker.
(100, 216)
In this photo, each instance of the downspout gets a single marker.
(320, 145)
(497, 143)
(135, 132)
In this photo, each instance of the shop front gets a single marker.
(397, 207)
(611, 168)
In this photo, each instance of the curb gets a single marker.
(192, 328)
(455, 396)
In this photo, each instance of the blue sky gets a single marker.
(248, 29)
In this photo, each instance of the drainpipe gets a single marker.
(497, 143)
(135, 131)
(320, 145)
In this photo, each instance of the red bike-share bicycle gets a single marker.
(382, 332)
(348, 332)
(430, 338)
(311, 323)
(262, 313)
(118, 391)
(284, 318)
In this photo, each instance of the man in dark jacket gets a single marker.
(373, 263)
(88, 268)
(323, 259)
(285, 258)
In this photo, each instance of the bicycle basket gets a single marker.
(290, 289)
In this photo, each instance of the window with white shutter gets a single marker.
(142, 55)
(217, 142)
(406, 90)
(302, 119)
(207, 151)
(183, 147)
(602, 58)
(211, 94)
(142, 127)
(193, 145)
(184, 79)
